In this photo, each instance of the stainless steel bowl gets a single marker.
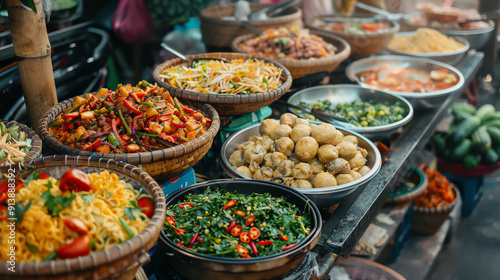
(418, 100)
(347, 93)
(449, 57)
(322, 197)
(477, 38)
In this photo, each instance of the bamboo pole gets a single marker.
(32, 48)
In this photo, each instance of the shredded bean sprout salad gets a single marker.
(215, 76)
(14, 145)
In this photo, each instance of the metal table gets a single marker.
(343, 229)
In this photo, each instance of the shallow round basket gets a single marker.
(160, 164)
(220, 33)
(451, 58)
(361, 44)
(303, 67)
(418, 100)
(34, 152)
(341, 94)
(119, 262)
(226, 104)
(265, 267)
(477, 38)
(322, 197)
(419, 179)
(362, 269)
(427, 221)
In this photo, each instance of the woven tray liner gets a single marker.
(160, 164)
(34, 152)
(226, 104)
(361, 44)
(220, 34)
(119, 262)
(301, 68)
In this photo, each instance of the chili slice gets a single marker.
(242, 251)
(231, 226)
(245, 237)
(132, 108)
(183, 205)
(230, 204)
(240, 213)
(114, 123)
(289, 247)
(283, 237)
(236, 231)
(265, 242)
(180, 231)
(254, 248)
(250, 220)
(170, 221)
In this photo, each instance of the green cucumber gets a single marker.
(461, 116)
(486, 112)
(490, 157)
(481, 140)
(494, 134)
(463, 108)
(471, 161)
(464, 129)
(461, 150)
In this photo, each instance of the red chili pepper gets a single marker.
(199, 239)
(78, 123)
(136, 98)
(289, 246)
(140, 94)
(170, 221)
(132, 108)
(180, 231)
(108, 119)
(90, 147)
(283, 237)
(135, 119)
(114, 123)
(71, 115)
(193, 240)
(265, 242)
(164, 136)
(231, 226)
(179, 244)
(183, 205)
(230, 204)
(250, 220)
(191, 111)
(178, 124)
(254, 248)
(150, 119)
(240, 213)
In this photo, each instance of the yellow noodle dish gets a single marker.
(79, 214)
(425, 40)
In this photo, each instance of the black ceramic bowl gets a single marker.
(197, 266)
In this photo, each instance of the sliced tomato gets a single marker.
(76, 225)
(147, 205)
(240, 213)
(289, 247)
(44, 176)
(283, 237)
(74, 180)
(254, 233)
(265, 242)
(236, 231)
(3, 213)
(230, 204)
(245, 237)
(76, 248)
(4, 188)
(242, 251)
(250, 220)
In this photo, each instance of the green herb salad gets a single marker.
(224, 224)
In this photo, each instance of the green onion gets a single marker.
(181, 113)
(56, 124)
(184, 139)
(109, 110)
(129, 132)
(2, 154)
(140, 133)
(126, 227)
(148, 104)
(31, 247)
(50, 257)
(14, 135)
(78, 107)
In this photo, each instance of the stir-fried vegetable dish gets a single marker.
(439, 192)
(127, 120)
(400, 79)
(293, 43)
(352, 27)
(71, 217)
(215, 76)
(362, 113)
(14, 145)
(219, 223)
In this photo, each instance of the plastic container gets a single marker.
(471, 191)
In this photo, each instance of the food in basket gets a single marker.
(304, 155)
(425, 40)
(113, 121)
(71, 217)
(439, 192)
(238, 76)
(448, 18)
(14, 145)
(361, 113)
(223, 224)
(393, 78)
(359, 28)
(293, 43)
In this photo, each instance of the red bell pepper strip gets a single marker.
(265, 242)
(92, 146)
(73, 115)
(136, 98)
(254, 248)
(114, 123)
(289, 246)
(183, 118)
(178, 124)
(132, 108)
(150, 119)
(231, 226)
(190, 111)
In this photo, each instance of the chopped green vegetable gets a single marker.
(126, 227)
(129, 132)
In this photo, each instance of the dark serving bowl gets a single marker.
(197, 266)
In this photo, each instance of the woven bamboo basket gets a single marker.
(301, 68)
(226, 104)
(362, 44)
(34, 152)
(119, 262)
(219, 33)
(160, 164)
